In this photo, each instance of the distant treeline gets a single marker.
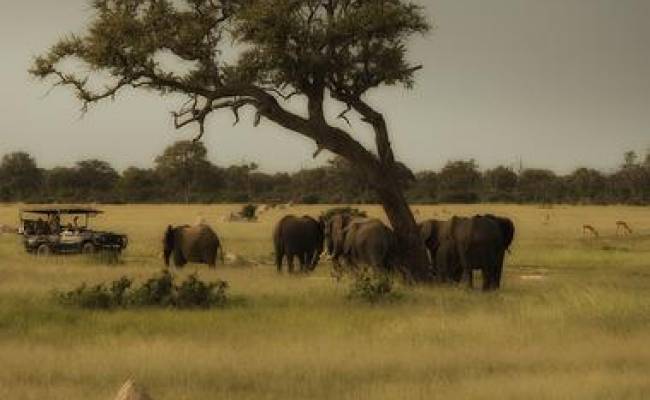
(184, 174)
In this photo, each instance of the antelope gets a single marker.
(588, 229)
(623, 225)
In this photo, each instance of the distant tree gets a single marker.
(318, 50)
(500, 184)
(239, 182)
(96, 180)
(62, 185)
(630, 159)
(20, 177)
(180, 167)
(425, 188)
(539, 185)
(348, 184)
(587, 184)
(141, 185)
(631, 183)
(312, 186)
(459, 182)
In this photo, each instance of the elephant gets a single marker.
(459, 245)
(360, 241)
(301, 237)
(196, 244)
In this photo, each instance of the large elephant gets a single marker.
(191, 244)
(459, 245)
(301, 237)
(361, 241)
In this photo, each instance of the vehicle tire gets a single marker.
(43, 250)
(88, 248)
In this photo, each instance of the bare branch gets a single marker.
(343, 114)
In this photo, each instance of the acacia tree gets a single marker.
(181, 164)
(317, 50)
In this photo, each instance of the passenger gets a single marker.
(55, 224)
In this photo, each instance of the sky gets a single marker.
(557, 84)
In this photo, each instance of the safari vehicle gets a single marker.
(61, 230)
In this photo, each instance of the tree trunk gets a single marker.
(412, 251)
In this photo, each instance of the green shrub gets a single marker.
(372, 287)
(158, 291)
(194, 293)
(94, 297)
(248, 211)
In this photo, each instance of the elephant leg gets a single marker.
(304, 259)
(279, 255)
(442, 269)
(290, 258)
(498, 270)
(466, 268)
(468, 277)
(212, 260)
(488, 277)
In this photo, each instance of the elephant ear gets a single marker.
(507, 230)
(179, 257)
(348, 237)
(169, 237)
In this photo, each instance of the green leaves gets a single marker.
(351, 46)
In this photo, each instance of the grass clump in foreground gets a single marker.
(158, 291)
(373, 288)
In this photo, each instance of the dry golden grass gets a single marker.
(572, 321)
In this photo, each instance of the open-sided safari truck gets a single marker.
(66, 230)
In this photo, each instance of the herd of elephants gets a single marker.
(456, 246)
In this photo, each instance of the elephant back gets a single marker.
(195, 240)
(371, 242)
(300, 232)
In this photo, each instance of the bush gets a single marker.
(248, 211)
(156, 291)
(194, 293)
(159, 291)
(373, 288)
(311, 198)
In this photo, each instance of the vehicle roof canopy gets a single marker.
(63, 210)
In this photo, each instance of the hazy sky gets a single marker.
(559, 83)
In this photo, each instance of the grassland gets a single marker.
(572, 321)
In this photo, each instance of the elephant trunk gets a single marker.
(168, 244)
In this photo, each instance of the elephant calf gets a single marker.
(300, 237)
(195, 244)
